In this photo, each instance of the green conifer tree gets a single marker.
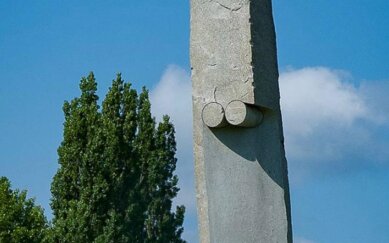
(116, 178)
(162, 225)
(79, 189)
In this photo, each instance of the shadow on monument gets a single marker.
(258, 144)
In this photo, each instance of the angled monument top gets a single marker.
(233, 52)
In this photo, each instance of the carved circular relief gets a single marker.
(243, 115)
(213, 115)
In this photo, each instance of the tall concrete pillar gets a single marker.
(241, 171)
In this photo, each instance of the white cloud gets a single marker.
(311, 97)
(329, 122)
(172, 96)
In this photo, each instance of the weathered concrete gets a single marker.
(241, 170)
(213, 115)
(243, 115)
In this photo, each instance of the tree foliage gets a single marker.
(116, 179)
(21, 221)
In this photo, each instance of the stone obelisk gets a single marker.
(241, 171)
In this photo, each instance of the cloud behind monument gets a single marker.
(330, 122)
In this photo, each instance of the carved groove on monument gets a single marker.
(237, 113)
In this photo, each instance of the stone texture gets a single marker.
(213, 115)
(241, 172)
(243, 115)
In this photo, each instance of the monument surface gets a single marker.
(241, 171)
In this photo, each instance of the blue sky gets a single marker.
(333, 58)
